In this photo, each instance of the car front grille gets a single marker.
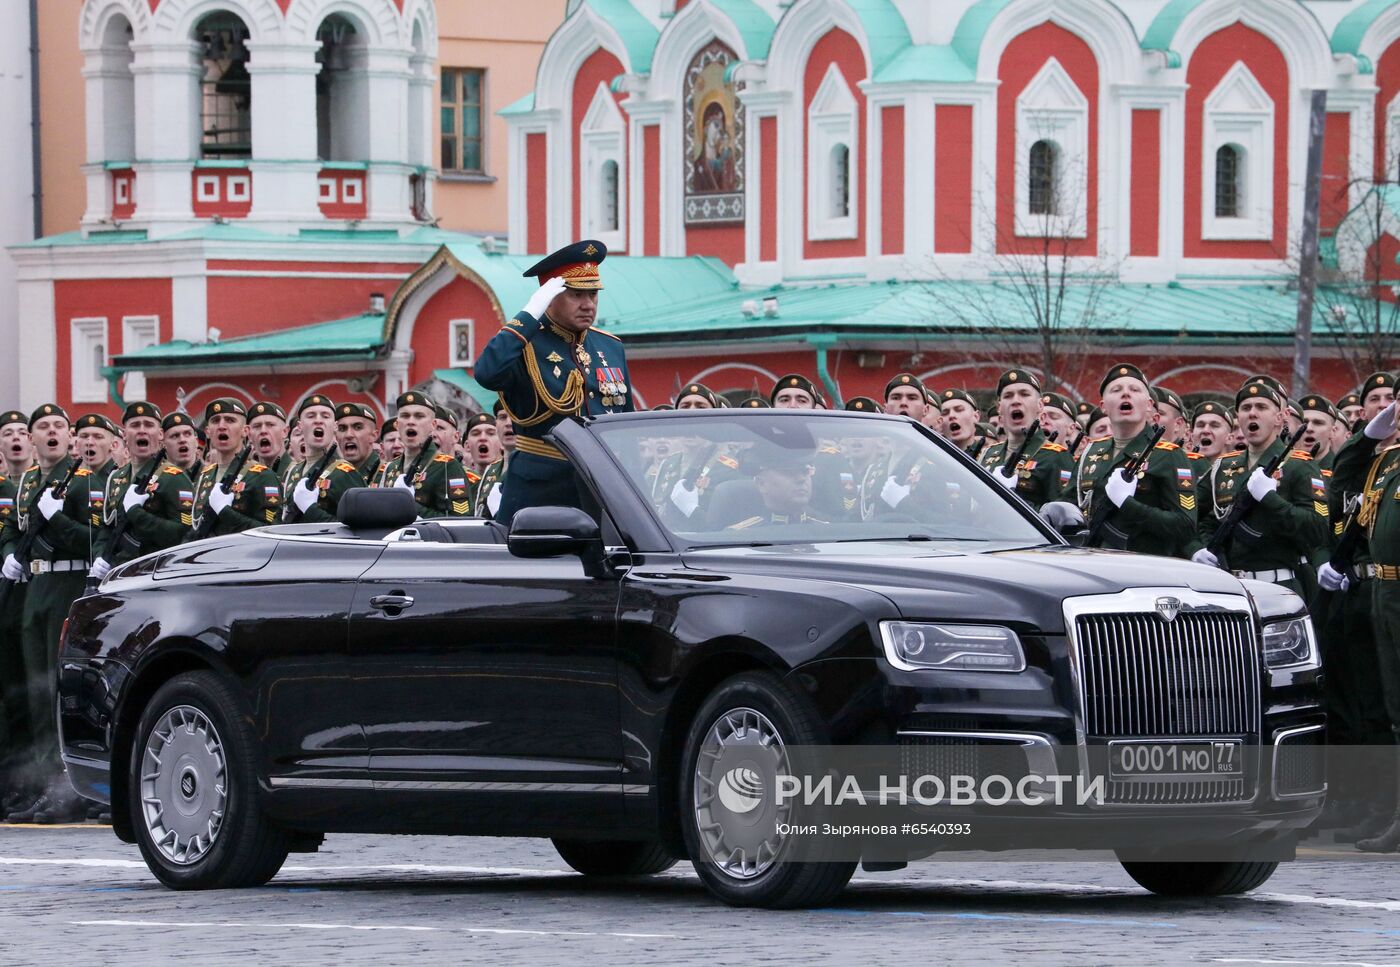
(1144, 677)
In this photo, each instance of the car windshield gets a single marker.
(757, 477)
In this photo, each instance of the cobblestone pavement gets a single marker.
(78, 896)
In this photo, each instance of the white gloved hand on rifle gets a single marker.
(48, 504)
(1261, 484)
(685, 498)
(134, 497)
(220, 500)
(1119, 487)
(305, 495)
(1204, 556)
(1330, 579)
(99, 569)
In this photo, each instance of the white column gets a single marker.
(384, 126)
(421, 86)
(167, 128)
(759, 105)
(37, 358)
(285, 162)
(99, 194)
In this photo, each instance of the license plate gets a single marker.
(1165, 760)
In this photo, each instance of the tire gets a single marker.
(206, 780)
(1199, 879)
(614, 857)
(744, 708)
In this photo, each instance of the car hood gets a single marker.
(931, 580)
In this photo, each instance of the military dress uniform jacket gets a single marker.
(1360, 469)
(1161, 517)
(9, 512)
(1288, 528)
(489, 482)
(161, 522)
(337, 478)
(1044, 473)
(716, 469)
(257, 498)
(440, 484)
(69, 534)
(544, 373)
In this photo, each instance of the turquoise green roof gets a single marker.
(523, 106)
(63, 239)
(466, 384)
(926, 62)
(967, 38)
(886, 33)
(1161, 33)
(636, 31)
(753, 24)
(1347, 38)
(357, 337)
(237, 231)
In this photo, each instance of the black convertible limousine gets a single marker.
(631, 682)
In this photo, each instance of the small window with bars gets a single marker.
(462, 112)
(1228, 169)
(840, 181)
(1043, 176)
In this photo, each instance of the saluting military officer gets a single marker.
(1044, 469)
(1288, 527)
(254, 497)
(549, 363)
(267, 431)
(437, 480)
(1155, 511)
(355, 430)
(140, 519)
(1369, 464)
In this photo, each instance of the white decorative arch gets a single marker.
(767, 374)
(1069, 389)
(378, 23)
(97, 14)
(805, 23)
(1100, 25)
(175, 19)
(1052, 108)
(421, 15)
(1197, 367)
(698, 23)
(566, 50)
(203, 388)
(1291, 26)
(603, 141)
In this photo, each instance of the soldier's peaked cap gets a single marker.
(1060, 402)
(949, 395)
(863, 404)
(264, 408)
(1377, 381)
(702, 391)
(905, 379)
(315, 399)
(95, 421)
(1212, 408)
(223, 405)
(794, 381)
(1118, 372)
(1013, 376)
(48, 409)
(754, 403)
(415, 398)
(1319, 403)
(1351, 399)
(346, 411)
(13, 416)
(481, 419)
(138, 409)
(576, 264)
(176, 419)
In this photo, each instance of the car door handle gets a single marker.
(390, 602)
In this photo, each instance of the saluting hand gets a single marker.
(894, 492)
(1382, 425)
(48, 504)
(543, 296)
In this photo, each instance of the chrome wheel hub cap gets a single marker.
(184, 785)
(736, 811)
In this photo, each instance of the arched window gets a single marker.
(1043, 176)
(339, 84)
(118, 92)
(607, 200)
(226, 103)
(1229, 170)
(840, 181)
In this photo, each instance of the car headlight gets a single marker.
(917, 645)
(1290, 644)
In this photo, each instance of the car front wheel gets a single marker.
(1199, 879)
(194, 798)
(732, 824)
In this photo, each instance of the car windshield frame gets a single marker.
(601, 427)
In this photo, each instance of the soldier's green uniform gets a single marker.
(161, 522)
(440, 484)
(14, 706)
(257, 498)
(490, 481)
(338, 477)
(280, 466)
(1376, 476)
(1043, 474)
(717, 468)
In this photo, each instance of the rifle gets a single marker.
(119, 534)
(1131, 468)
(292, 513)
(31, 533)
(208, 520)
(1013, 460)
(1078, 439)
(977, 451)
(1244, 503)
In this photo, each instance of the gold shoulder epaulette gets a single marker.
(1193, 455)
(1101, 439)
(746, 522)
(1326, 472)
(208, 466)
(344, 467)
(1301, 455)
(172, 470)
(829, 450)
(729, 462)
(35, 467)
(442, 458)
(1232, 453)
(1166, 445)
(82, 472)
(256, 468)
(1054, 447)
(604, 332)
(473, 477)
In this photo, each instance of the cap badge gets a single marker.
(591, 250)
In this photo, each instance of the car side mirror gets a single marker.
(1067, 520)
(553, 532)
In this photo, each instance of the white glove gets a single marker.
(402, 481)
(134, 497)
(1006, 476)
(1331, 579)
(99, 569)
(1119, 487)
(1204, 556)
(493, 499)
(305, 495)
(48, 504)
(220, 500)
(543, 296)
(12, 570)
(893, 491)
(1382, 425)
(686, 499)
(1261, 484)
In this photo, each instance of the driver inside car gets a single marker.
(783, 479)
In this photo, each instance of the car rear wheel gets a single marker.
(194, 797)
(614, 858)
(737, 743)
(1199, 879)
